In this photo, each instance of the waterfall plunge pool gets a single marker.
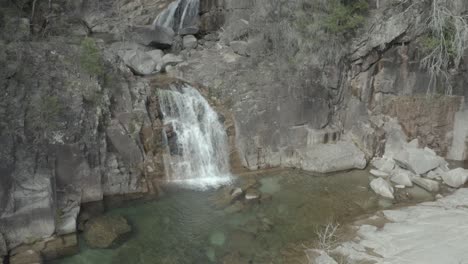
(202, 227)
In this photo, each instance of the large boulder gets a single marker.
(105, 231)
(325, 158)
(382, 187)
(419, 161)
(455, 178)
(139, 62)
(158, 36)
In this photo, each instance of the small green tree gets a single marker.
(90, 57)
(345, 16)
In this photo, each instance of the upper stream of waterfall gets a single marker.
(179, 15)
(197, 139)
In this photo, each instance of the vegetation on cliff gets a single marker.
(444, 43)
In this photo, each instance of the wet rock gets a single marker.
(418, 161)
(26, 257)
(455, 178)
(402, 177)
(252, 194)
(378, 173)
(189, 42)
(105, 231)
(236, 193)
(426, 184)
(382, 187)
(316, 256)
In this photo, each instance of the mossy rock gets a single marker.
(106, 231)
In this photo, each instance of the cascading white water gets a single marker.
(199, 149)
(179, 14)
(166, 17)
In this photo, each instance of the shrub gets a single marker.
(345, 16)
(90, 57)
(444, 43)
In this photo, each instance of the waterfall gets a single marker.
(196, 138)
(179, 15)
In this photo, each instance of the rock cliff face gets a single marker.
(74, 128)
(285, 106)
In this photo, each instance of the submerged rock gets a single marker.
(105, 231)
(455, 178)
(382, 187)
(217, 239)
(234, 208)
